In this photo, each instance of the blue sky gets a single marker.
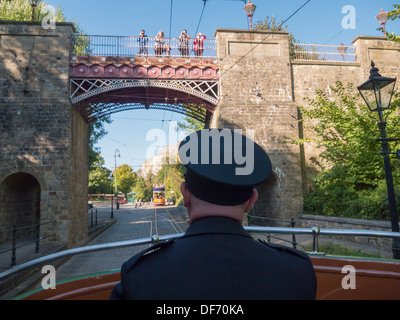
(320, 22)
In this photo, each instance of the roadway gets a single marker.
(129, 223)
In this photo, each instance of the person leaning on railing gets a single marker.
(159, 44)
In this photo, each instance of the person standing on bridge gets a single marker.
(198, 45)
(184, 43)
(159, 44)
(142, 40)
(216, 259)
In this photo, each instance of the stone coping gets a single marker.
(362, 222)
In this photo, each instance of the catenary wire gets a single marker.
(252, 49)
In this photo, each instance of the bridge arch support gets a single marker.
(97, 97)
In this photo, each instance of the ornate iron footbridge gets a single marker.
(109, 74)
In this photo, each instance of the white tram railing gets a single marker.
(314, 232)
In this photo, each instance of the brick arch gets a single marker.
(20, 197)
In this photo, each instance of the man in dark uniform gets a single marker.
(217, 259)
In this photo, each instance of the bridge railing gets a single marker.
(323, 53)
(124, 46)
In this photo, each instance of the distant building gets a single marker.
(155, 163)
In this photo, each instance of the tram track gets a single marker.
(166, 217)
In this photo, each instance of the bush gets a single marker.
(348, 203)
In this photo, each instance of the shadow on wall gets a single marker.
(267, 205)
(274, 200)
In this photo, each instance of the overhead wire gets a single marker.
(343, 30)
(170, 18)
(266, 37)
(201, 16)
(241, 58)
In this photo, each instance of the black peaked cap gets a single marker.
(223, 166)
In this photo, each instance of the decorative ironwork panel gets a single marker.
(82, 89)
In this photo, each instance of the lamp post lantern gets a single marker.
(382, 18)
(116, 184)
(377, 93)
(249, 8)
(34, 4)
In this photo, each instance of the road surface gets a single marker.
(130, 223)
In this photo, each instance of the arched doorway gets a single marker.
(19, 203)
(267, 204)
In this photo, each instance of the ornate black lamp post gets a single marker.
(116, 183)
(377, 92)
(34, 4)
(249, 8)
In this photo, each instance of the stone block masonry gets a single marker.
(42, 137)
(256, 94)
(261, 88)
(44, 141)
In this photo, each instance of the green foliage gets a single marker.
(144, 187)
(96, 132)
(171, 175)
(21, 10)
(271, 24)
(295, 51)
(99, 178)
(126, 178)
(189, 125)
(351, 181)
(393, 15)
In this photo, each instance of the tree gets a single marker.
(189, 125)
(144, 187)
(126, 178)
(172, 175)
(21, 10)
(96, 132)
(295, 51)
(100, 178)
(393, 15)
(351, 176)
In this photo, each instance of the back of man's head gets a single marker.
(222, 169)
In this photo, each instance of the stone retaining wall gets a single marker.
(381, 246)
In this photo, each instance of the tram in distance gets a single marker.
(159, 194)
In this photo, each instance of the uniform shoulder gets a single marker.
(128, 265)
(285, 249)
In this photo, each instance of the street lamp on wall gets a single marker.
(34, 4)
(382, 18)
(249, 8)
(377, 93)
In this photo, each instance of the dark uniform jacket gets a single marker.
(217, 259)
